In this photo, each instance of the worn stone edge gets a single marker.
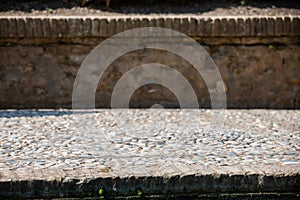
(66, 27)
(151, 185)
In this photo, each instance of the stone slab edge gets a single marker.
(151, 185)
(66, 28)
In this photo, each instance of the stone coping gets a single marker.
(66, 28)
(45, 155)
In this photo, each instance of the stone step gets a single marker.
(157, 152)
(236, 29)
(256, 56)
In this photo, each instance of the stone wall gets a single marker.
(255, 76)
(259, 70)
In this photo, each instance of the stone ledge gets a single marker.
(176, 185)
(212, 167)
(65, 28)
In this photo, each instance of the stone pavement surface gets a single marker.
(55, 153)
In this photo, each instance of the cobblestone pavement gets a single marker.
(51, 144)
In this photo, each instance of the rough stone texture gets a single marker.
(257, 56)
(58, 153)
(211, 30)
(258, 76)
(65, 27)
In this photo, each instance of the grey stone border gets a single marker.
(236, 29)
(160, 185)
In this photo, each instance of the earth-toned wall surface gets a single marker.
(255, 76)
(258, 58)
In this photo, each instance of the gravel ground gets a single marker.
(151, 7)
(140, 142)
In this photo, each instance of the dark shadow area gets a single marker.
(42, 113)
(140, 6)
(32, 113)
(154, 96)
